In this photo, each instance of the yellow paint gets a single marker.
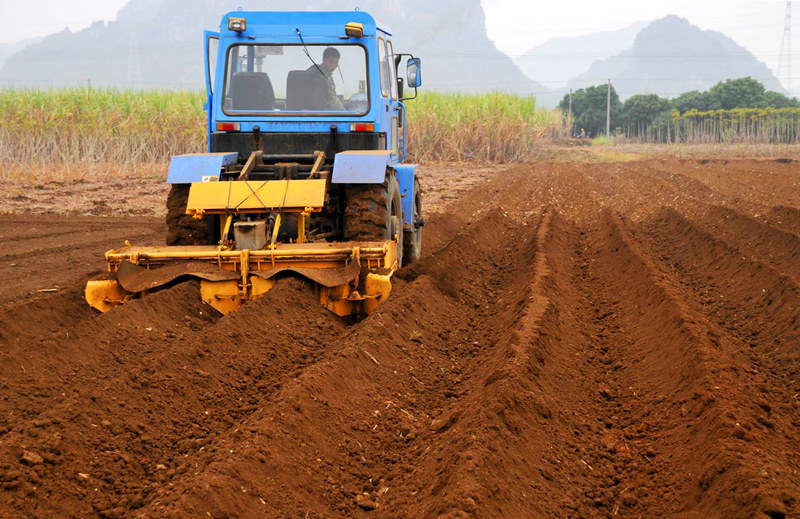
(227, 296)
(224, 243)
(276, 227)
(343, 300)
(260, 286)
(357, 297)
(105, 295)
(223, 295)
(249, 196)
(376, 288)
(312, 255)
(337, 300)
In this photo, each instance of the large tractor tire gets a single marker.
(182, 229)
(374, 213)
(412, 240)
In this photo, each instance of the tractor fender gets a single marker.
(405, 180)
(360, 167)
(198, 167)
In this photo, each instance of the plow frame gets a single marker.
(350, 278)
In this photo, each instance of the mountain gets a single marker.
(9, 49)
(557, 60)
(159, 44)
(671, 56)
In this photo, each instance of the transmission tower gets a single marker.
(785, 59)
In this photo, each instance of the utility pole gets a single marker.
(785, 59)
(608, 114)
(569, 114)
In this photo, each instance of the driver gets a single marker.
(330, 61)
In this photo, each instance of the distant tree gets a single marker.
(662, 128)
(641, 109)
(639, 112)
(589, 109)
(772, 99)
(733, 93)
(745, 92)
(702, 101)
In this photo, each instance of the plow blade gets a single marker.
(349, 278)
(134, 278)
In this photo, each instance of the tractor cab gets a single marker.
(332, 76)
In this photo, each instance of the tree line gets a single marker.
(734, 109)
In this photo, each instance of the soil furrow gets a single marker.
(753, 314)
(758, 241)
(760, 302)
(173, 403)
(787, 218)
(653, 367)
(38, 226)
(746, 180)
(390, 401)
(28, 250)
(578, 340)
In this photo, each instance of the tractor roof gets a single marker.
(283, 24)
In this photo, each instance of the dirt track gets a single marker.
(579, 340)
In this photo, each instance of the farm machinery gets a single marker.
(304, 173)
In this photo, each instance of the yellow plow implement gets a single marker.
(349, 277)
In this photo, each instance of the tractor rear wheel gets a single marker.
(374, 213)
(182, 229)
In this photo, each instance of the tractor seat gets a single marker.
(305, 90)
(252, 91)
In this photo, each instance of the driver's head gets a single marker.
(330, 59)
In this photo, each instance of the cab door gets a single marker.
(396, 109)
(211, 50)
(387, 110)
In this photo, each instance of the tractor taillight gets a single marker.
(362, 127)
(227, 127)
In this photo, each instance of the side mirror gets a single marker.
(413, 73)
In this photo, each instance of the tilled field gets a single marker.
(579, 340)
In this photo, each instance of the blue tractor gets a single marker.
(304, 173)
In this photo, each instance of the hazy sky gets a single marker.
(514, 25)
(21, 19)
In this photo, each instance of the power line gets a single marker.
(114, 52)
(596, 80)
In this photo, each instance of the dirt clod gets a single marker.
(366, 502)
(31, 458)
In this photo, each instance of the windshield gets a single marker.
(275, 79)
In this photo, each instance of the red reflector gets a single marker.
(362, 127)
(227, 127)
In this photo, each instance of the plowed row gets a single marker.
(578, 340)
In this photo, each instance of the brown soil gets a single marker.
(578, 340)
(183, 229)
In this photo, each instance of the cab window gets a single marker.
(384, 67)
(392, 71)
(278, 79)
